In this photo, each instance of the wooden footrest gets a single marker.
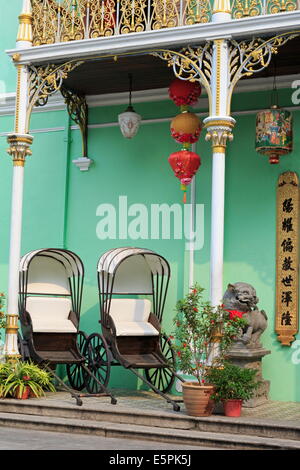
(60, 357)
(143, 361)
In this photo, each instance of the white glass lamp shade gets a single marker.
(129, 122)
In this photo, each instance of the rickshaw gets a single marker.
(50, 295)
(133, 285)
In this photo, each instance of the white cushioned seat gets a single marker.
(50, 314)
(131, 317)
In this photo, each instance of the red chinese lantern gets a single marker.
(183, 92)
(185, 165)
(186, 128)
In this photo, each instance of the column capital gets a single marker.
(19, 147)
(219, 131)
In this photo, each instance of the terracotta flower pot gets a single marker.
(197, 399)
(232, 407)
(24, 395)
(32, 394)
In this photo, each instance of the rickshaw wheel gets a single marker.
(98, 355)
(22, 348)
(75, 372)
(163, 378)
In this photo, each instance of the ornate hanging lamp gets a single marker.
(185, 165)
(185, 129)
(274, 130)
(184, 92)
(129, 120)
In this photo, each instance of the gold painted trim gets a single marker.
(25, 18)
(11, 331)
(18, 162)
(17, 138)
(219, 148)
(16, 57)
(19, 71)
(255, 49)
(219, 44)
(48, 80)
(218, 122)
(222, 11)
(187, 62)
(13, 357)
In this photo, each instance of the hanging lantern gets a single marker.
(186, 127)
(129, 121)
(184, 93)
(274, 133)
(185, 165)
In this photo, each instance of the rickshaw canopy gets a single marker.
(131, 270)
(49, 271)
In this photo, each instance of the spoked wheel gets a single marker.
(98, 355)
(22, 348)
(163, 378)
(75, 372)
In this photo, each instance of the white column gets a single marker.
(19, 149)
(219, 126)
(217, 227)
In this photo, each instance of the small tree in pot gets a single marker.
(203, 335)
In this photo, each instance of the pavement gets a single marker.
(29, 439)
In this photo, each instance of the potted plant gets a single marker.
(203, 335)
(22, 379)
(41, 377)
(233, 385)
(5, 371)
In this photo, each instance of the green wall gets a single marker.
(8, 34)
(60, 203)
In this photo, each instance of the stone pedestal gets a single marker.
(251, 358)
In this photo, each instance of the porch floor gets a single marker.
(148, 400)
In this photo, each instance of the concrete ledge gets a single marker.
(149, 433)
(91, 411)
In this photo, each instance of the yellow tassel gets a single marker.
(183, 187)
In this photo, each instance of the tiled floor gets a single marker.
(272, 410)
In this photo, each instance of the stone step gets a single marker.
(153, 418)
(147, 433)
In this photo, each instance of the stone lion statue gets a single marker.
(242, 297)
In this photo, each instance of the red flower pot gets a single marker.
(233, 408)
(24, 395)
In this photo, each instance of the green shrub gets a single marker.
(232, 382)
